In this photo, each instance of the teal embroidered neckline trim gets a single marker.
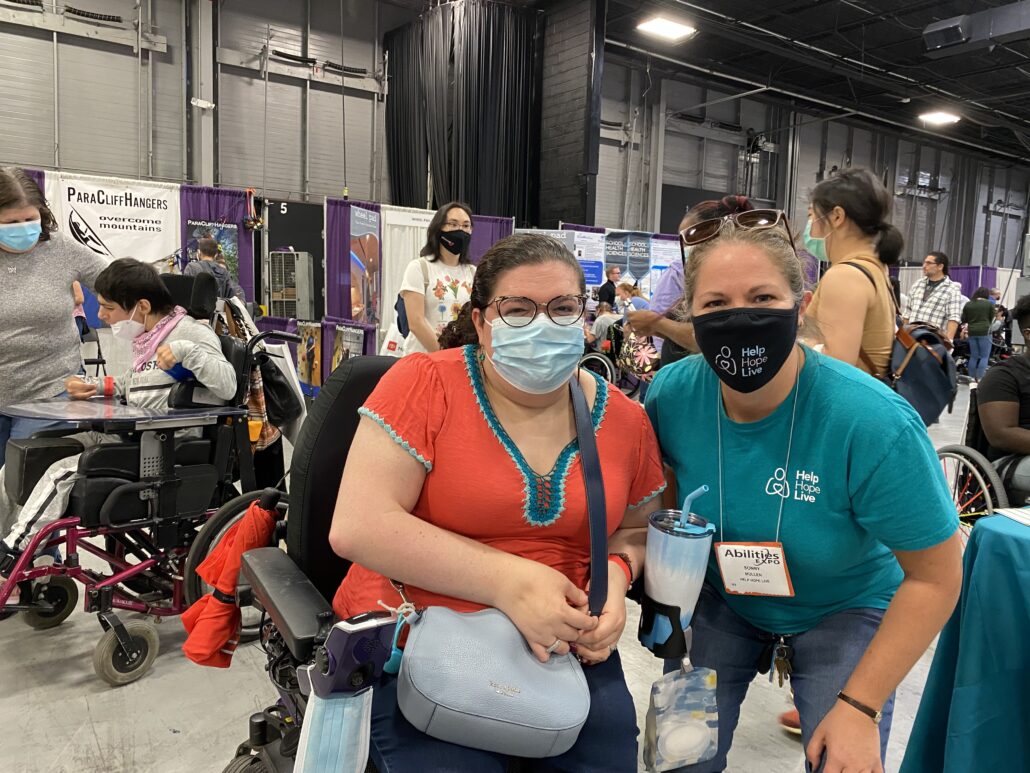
(543, 495)
(393, 433)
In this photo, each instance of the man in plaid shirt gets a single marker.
(935, 298)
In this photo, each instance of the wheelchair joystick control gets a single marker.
(269, 499)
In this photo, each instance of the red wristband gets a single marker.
(622, 562)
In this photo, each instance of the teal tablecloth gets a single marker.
(975, 710)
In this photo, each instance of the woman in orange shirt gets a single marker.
(464, 484)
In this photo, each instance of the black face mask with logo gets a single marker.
(455, 242)
(746, 347)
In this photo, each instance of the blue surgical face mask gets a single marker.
(539, 357)
(20, 237)
(816, 245)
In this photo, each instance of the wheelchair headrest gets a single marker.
(317, 467)
(197, 294)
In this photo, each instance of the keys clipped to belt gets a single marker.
(782, 653)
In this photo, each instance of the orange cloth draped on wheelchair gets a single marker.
(214, 625)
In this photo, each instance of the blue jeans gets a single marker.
(22, 428)
(824, 658)
(979, 352)
(608, 741)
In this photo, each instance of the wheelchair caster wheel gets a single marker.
(246, 764)
(111, 662)
(61, 593)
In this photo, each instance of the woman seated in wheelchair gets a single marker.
(464, 484)
(167, 347)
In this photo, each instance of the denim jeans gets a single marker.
(607, 743)
(824, 658)
(979, 352)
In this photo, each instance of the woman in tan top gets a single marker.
(853, 306)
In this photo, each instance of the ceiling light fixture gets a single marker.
(939, 118)
(667, 29)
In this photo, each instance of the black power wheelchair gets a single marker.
(150, 507)
(294, 589)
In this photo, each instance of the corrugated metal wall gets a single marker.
(107, 124)
(972, 208)
(103, 121)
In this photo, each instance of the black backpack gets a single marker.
(398, 305)
(921, 368)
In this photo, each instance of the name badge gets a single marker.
(754, 568)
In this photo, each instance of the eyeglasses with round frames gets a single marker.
(518, 311)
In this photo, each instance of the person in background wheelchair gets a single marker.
(167, 346)
(462, 483)
(598, 332)
(1003, 397)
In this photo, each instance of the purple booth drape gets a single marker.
(486, 232)
(968, 277)
(221, 205)
(38, 176)
(337, 254)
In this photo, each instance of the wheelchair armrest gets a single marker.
(295, 606)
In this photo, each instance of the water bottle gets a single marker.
(674, 571)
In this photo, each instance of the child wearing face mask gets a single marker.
(167, 346)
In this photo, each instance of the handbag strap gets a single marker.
(593, 483)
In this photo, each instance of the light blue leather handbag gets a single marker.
(471, 679)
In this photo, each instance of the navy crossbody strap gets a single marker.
(596, 509)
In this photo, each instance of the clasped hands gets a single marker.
(552, 613)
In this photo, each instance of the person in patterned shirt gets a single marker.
(935, 298)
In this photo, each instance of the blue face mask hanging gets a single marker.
(536, 358)
(20, 237)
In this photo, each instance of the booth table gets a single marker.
(975, 710)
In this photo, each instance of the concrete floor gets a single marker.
(60, 717)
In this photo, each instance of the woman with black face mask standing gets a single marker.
(439, 283)
(836, 558)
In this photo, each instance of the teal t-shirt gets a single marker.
(863, 481)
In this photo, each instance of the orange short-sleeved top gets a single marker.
(477, 483)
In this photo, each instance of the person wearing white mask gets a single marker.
(39, 341)
(167, 347)
(464, 483)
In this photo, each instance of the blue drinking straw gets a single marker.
(688, 502)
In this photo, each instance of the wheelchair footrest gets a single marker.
(295, 606)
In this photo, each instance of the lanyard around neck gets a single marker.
(786, 464)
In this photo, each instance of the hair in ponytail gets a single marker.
(866, 203)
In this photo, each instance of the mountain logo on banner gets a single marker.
(85, 235)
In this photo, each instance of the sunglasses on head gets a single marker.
(753, 220)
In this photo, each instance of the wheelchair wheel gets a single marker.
(209, 536)
(976, 489)
(60, 592)
(246, 764)
(597, 363)
(110, 662)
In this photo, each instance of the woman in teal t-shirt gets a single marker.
(836, 545)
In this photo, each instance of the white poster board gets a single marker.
(117, 218)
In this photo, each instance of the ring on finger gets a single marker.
(557, 643)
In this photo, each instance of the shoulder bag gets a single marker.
(921, 368)
(471, 679)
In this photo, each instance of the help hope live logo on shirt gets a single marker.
(805, 487)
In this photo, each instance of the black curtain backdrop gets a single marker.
(478, 67)
(405, 139)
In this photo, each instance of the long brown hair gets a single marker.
(17, 189)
